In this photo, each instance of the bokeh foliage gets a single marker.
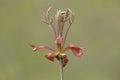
(96, 27)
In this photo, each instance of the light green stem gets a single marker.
(61, 69)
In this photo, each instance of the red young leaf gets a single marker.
(50, 56)
(65, 61)
(78, 51)
(35, 48)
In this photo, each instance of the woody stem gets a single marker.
(61, 69)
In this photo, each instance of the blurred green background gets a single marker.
(96, 27)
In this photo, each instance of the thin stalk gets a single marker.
(61, 69)
(62, 26)
(66, 35)
(53, 30)
(58, 29)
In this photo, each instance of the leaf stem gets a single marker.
(61, 69)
